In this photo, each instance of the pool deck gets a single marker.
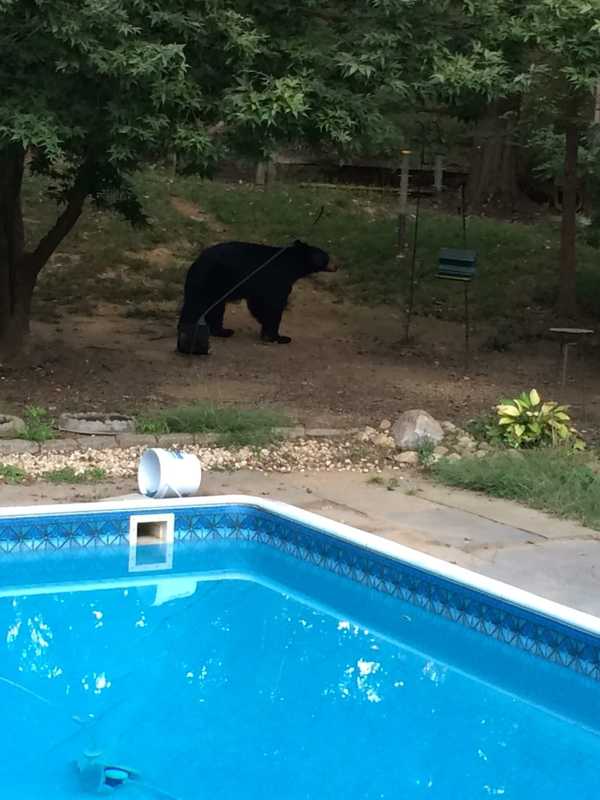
(554, 558)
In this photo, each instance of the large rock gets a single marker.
(11, 427)
(414, 427)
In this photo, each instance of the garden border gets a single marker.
(124, 440)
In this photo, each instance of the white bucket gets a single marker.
(168, 473)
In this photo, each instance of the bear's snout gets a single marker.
(331, 267)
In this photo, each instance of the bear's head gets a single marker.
(315, 259)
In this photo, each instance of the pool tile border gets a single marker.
(492, 616)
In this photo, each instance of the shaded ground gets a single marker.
(345, 365)
(106, 313)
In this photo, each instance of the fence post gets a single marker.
(261, 174)
(271, 172)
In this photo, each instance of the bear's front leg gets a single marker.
(269, 317)
(270, 327)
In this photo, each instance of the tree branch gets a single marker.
(63, 225)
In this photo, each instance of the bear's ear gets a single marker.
(299, 243)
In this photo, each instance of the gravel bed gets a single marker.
(292, 456)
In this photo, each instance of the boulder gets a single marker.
(11, 427)
(408, 458)
(414, 427)
(385, 425)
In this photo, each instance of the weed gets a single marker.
(69, 475)
(235, 427)
(10, 474)
(153, 425)
(484, 428)
(391, 484)
(38, 425)
(425, 450)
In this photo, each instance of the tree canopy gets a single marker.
(92, 89)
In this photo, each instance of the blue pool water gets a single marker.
(247, 673)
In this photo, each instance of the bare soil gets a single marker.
(347, 365)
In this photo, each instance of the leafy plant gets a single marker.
(485, 428)
(152, 425)
(38, 425)
(133, 81)
(528, 422)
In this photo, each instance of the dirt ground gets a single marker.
(346, 366)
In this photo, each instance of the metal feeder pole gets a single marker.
(403, 205)
(467, 322)
(467, 331)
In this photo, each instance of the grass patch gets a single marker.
(517, 263)
(39, 426)
(553, 480)
(104, 260)
(10, 474)
(234, 427)
(69, 475)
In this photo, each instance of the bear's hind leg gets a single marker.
(214, 319)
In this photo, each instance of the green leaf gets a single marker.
(534, 397)
(508, 411)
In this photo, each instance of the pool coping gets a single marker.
(467, 578)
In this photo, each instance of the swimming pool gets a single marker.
(239, 648)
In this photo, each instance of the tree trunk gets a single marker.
(14, 318)
(493, 174)
(567, 288)
(19, 270)
(15, 283)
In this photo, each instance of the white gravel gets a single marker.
(292, 456)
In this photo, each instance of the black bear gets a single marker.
(264, 276)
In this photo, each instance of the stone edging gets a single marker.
(124, 440)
